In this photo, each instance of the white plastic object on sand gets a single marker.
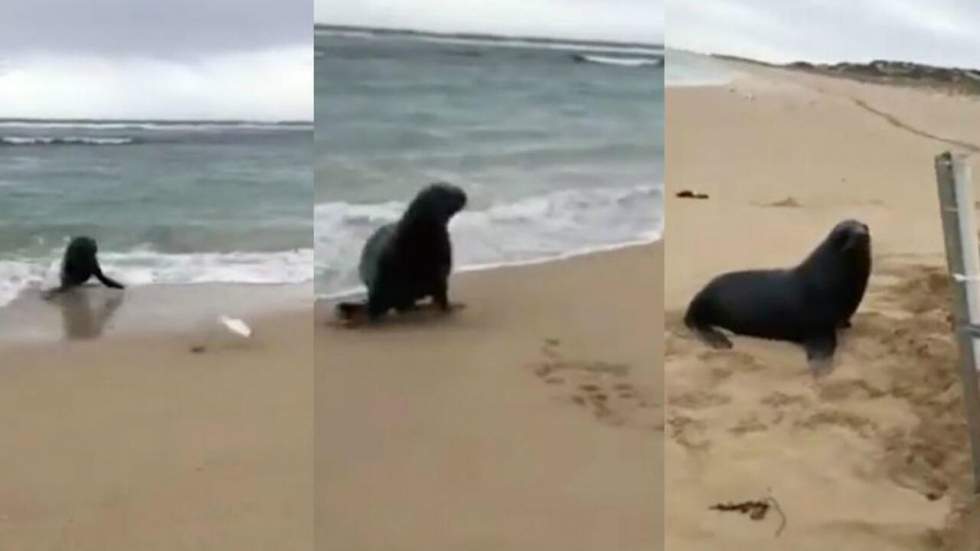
(236, 326)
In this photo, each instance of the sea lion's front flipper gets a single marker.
(440, 297)
(352, 314)
(348, 310)
(820, 353)
(106, 280)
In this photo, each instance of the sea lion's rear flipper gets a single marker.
(700, 320)
(712, 337)
(820, 353)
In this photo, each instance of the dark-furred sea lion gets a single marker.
(79, 264)
(407, 261)
(806, 304)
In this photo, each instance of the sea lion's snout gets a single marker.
(452, 199)
(853, 234)
(457, 200)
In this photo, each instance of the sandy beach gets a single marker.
(876, 455)
(531, 419)
(120, 436)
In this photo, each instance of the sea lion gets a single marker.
(409, 260)
(805, 305)
(79, 264)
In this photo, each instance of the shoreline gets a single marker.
(951, 80)
(93, 312)
(489, 267)
(22, 276)
(711, 72)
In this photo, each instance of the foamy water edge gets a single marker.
(586, 251)
(141, 267)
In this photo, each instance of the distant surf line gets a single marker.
(621, 61)
(66, 140)
(500, 42)
(153, 124)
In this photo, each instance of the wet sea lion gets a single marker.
(806, 304)
(405, 262)
(79, 264)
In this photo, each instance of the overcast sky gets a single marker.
(215, 59)
(939, 32)
(617, 20)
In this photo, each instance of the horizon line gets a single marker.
(4, 120)
(853, 61)
(484, 35)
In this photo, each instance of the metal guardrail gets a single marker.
(958, 210)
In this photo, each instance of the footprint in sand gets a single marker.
(863, 426)
(732, 360)
(601, 388)
(748, 424)
(688, 432)
(779, 399)
(699, 399)
(835, 391)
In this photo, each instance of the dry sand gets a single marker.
(531, 419)
(875, 456)
(128, 440)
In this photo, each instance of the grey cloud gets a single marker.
(156, 59)
(152, 28)
(941, 32)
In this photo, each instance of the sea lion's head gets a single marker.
(438, 202)
(847, 247)
(83, 243)
(851, 236)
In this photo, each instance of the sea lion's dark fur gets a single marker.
(80, 263)
(805, 305)
(410, 260)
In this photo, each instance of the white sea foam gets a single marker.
(65, 140)
(532, 229)
(158, 126)
(623, 61)
(144, 266)
(18, 275)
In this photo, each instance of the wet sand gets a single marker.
(128, 439)
(531, 419)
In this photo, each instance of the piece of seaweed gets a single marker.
(755, 509)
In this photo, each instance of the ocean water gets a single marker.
(188, 202)
(691, 69)
(558, 146)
